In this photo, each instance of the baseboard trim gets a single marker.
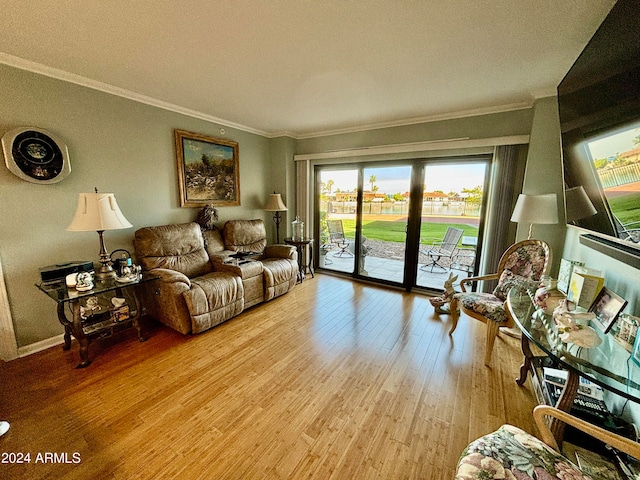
(40, 346)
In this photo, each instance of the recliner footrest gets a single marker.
(214, 298)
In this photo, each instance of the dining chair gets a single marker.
(524, 262)
(510, 452)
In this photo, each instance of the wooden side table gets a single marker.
(301, 245)
(111, 320)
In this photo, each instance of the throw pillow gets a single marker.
(508, 279)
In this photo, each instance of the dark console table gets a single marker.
(301, 245)
(92, 313)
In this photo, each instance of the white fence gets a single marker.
(452, 209)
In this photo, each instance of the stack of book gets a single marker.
(589, 402)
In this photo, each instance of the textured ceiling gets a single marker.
(303, 67)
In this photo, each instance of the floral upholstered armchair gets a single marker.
(512, 454)
(523, 263)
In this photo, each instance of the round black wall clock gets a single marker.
(35, 155)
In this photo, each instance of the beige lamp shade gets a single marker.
(97, 212)
(578, 204)
(536, 209)
(275, 203)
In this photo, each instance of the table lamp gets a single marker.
(99, 212)
(578, 204)
(276, 205)
(532, 209)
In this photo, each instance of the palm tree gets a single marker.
(330, 184)
(372, 180)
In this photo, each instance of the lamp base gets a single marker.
(105, 272)
(277, 217)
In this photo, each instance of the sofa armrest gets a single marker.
(171, 276)
(281, 251)
(164, 298)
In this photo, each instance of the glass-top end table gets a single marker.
(604, 365)
(76, 325)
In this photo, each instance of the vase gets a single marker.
(547, 296)
(298, 229)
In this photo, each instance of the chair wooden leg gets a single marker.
(455, 314)
(492, 333)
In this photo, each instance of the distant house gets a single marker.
(434, 197)
(632, 155)
(368, 196)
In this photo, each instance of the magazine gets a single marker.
(595, 465)
(584, 286)
(564, 275)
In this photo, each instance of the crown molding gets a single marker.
(58, 74)
(424, 119)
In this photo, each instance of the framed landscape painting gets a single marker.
(208, 170)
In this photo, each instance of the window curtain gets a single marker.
(507, 177)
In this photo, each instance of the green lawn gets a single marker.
(626, 207)
(395, 231)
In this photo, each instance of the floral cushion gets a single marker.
(512, 454)
(486, 304)
(508, 279)
(527, 261)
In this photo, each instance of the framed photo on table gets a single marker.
(606, 307)
(208, 170)
(635, 355)
(625, 331)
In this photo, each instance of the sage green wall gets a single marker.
(116, 145)
(282, 179)
(544, 173)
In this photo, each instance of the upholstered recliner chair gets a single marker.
(190, 297)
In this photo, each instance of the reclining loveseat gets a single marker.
(203, 281)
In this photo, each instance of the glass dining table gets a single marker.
(607, 364)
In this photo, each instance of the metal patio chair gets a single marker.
(442, 249)
(337, 238)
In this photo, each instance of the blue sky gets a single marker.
(617, 143)
(448, 178)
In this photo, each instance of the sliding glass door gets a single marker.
(452, 199)
(404, 223)
(383, 222)
(336, 203)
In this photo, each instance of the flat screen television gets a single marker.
(599, 106)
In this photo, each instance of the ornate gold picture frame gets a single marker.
(208, 170)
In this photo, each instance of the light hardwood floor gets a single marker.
(334, 380)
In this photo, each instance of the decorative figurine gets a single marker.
(441, 303)
(207, 216)
(547, 296)
(573, 327)
(84, 282)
